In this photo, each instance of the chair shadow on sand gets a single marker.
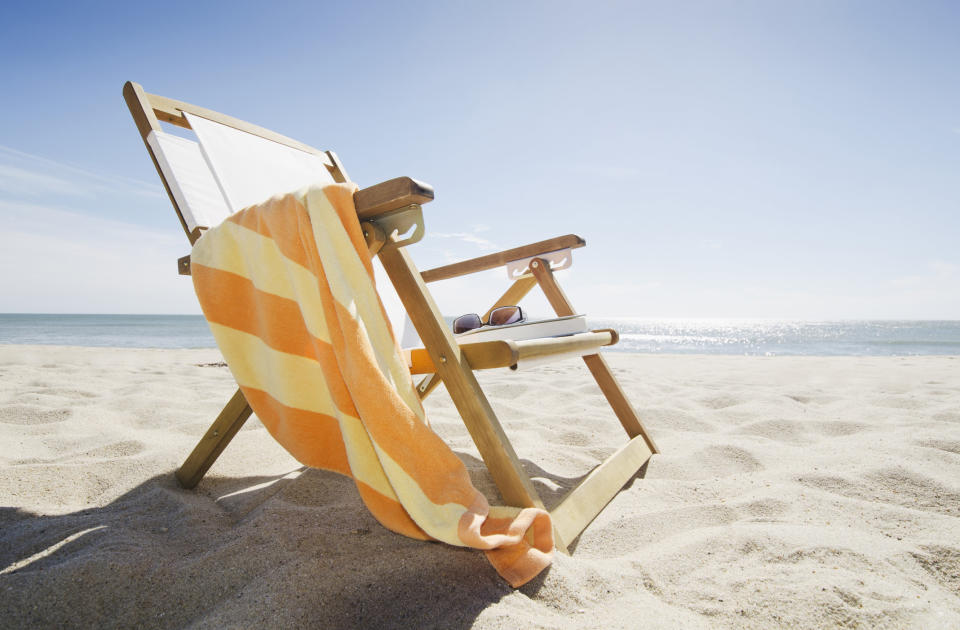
(290, 550)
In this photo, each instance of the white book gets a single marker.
(528, 329)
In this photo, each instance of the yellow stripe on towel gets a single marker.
(287, 287)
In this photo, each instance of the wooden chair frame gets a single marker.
(443, 358)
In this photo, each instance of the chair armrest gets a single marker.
(481, 356)
(492, 261)
(370, 202)
(485, 355)
(390, 195)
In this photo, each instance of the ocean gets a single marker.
(668, 336)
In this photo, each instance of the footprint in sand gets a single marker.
(789, 431)
(837, 428)
(819, 399)
(127, 448)
(943, 564)
(947, 416)
(713, 462)
(625, 536)
(721, 461)
(30, 415)
(676, 420)
(906, 402)
(720, 402)
(950, 447)
(764, 509)
(893, 486)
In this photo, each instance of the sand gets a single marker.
(791, 492)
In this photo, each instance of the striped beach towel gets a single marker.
(287, 287)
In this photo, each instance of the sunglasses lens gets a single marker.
(505, 315)
(466, 322)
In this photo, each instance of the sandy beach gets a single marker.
(796, 492)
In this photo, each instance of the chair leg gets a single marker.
(595, 363)
(231, 418)
(427, 385)
(582, 504)
(511, 297)
(475, 410)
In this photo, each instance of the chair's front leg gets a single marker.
(230, 420)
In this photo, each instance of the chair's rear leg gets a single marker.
(231, 418)
(595, 363)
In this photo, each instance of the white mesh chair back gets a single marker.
(191, 183)
(250, 169)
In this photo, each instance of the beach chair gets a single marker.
(232, 164)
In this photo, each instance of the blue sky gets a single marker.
(722, 159)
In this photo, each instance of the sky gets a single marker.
(722, 159)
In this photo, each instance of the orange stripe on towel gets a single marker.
(390, 513)
(371, 427)
(285, 220)
(341, 198)
(391, 424)
(276, 320)
(242, 306)
(313, 438)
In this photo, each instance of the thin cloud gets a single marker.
(466, 237)
(24, 174)
(55, 260)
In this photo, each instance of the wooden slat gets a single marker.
(139, 105)
(492, 261)
(390, 195)
(140, 109)
(487, 355)
(338, 172)
(230, 420)
(481, 356)
(548, 283)
(584, 502)
(452, 366)
(427, 385)
(374, 236)
(171, 111)
(595, 363)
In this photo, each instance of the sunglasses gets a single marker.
(498, 317)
